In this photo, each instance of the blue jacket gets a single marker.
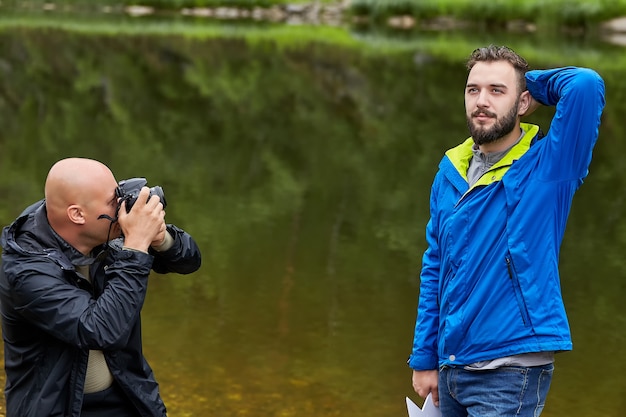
(490, 283)
(52, 316)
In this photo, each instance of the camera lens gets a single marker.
(128, 190)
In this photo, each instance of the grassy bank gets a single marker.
(447, 45)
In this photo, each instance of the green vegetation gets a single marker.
(446, 45)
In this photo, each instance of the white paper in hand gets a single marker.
(428, 409)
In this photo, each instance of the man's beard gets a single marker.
(501, 128)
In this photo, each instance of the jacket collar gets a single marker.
(457, 159)
(32, 234)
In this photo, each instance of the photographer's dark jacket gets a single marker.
(52, 316)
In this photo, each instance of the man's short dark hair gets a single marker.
(493, 53)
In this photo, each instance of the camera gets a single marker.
(128, 190)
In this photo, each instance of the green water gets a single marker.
(302, 166)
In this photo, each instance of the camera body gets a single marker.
(128, 190)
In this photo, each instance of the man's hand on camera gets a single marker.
(144, 224)
(161, 245)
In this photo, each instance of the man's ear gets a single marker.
(75, 214)
(525, 100)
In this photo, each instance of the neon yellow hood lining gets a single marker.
(461, 155)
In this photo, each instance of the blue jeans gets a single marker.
(503, 392)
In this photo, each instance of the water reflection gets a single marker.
(303, 171)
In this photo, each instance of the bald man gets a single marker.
(74, 276)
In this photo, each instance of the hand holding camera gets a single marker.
(144, 225)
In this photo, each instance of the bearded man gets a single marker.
(490, 313)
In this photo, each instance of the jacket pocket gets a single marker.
(517, 290)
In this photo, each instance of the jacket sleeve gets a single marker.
(43, 296)
(424, 354)
(578, 94)
(182, 258)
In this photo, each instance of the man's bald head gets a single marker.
(73, 180)
(78, 191)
